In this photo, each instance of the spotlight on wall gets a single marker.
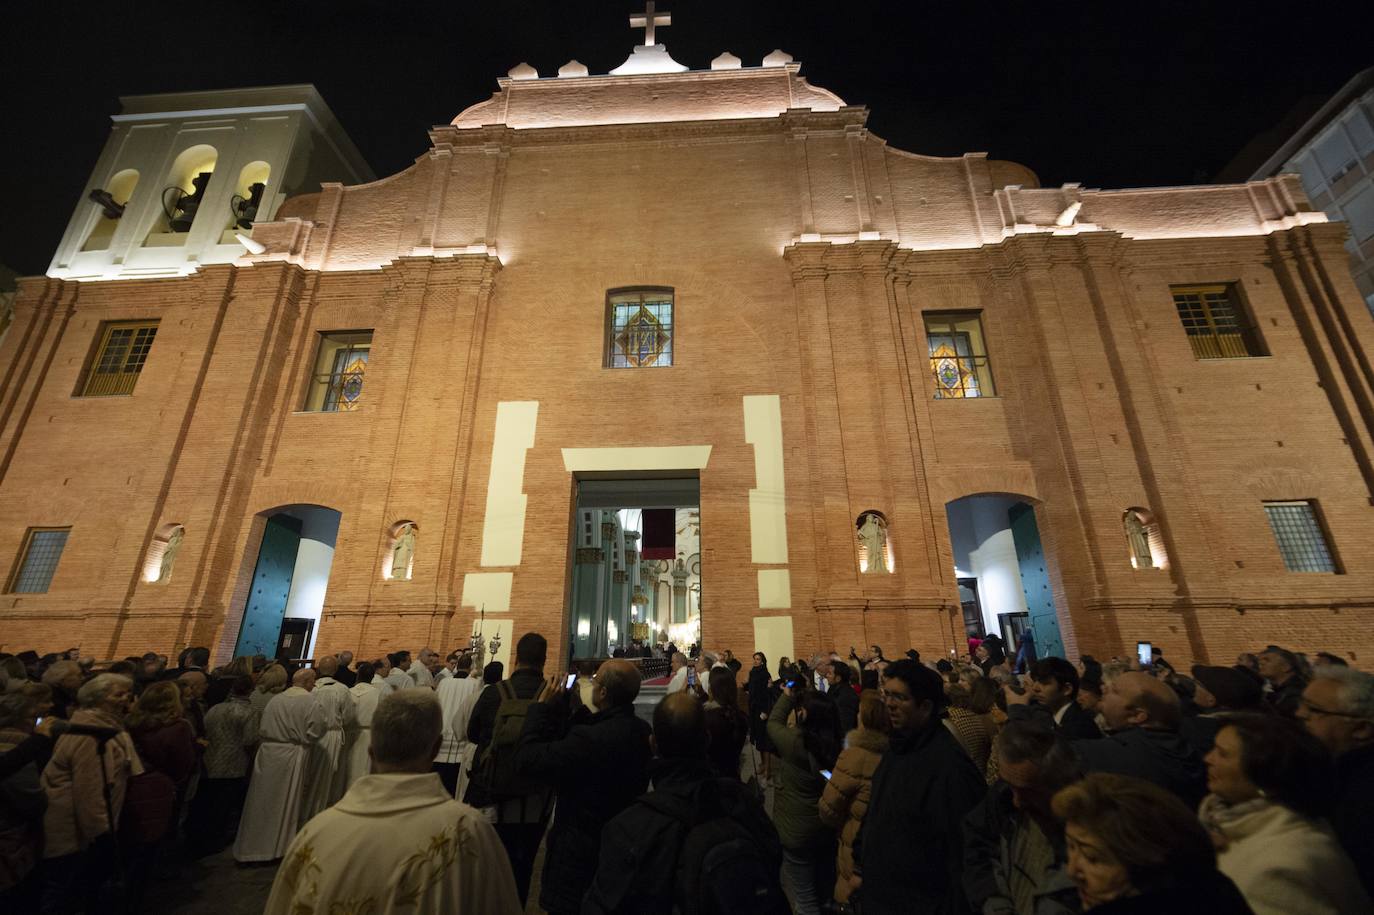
(254, 247)
(245, 209)
(106, 202)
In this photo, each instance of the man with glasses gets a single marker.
(909, 852)
(1338, 709)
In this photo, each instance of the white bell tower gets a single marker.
(184, 176)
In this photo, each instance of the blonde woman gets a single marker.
(845, 798)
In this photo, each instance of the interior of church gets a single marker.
(636, 565)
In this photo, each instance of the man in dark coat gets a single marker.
(1338, 709)
(597, 762)
(520, 819)
(1143, 715)
(1220, 691)
(1014, 846)
(639, 859)
(345, 674)
(1280, 667)
(838, 674)
(909, 852)
(1054, 688)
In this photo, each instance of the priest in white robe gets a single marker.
(457, 695)
(397, 842)
(421, 671)
(365, 695)
(291, 724)
(326, 780)
(399, 677)
(381, 673)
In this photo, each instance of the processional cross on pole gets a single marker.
(648, 19)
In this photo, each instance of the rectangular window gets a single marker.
(119, 359)
(639, 328)
(1302, 542)
(38, 560)
(337, 384)
(1216, 322)
(958, 355)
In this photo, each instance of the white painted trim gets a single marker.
(667, 457)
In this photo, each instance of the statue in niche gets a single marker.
(169, 554)
(403, 553)
(1139, 539)
(873, 537)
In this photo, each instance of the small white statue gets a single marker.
(873, 536)
(403, 553)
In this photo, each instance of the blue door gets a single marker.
(1035, 582)
(261, 628)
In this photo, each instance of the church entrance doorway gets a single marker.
(1004, 582)
(636, 565)
(290, 576)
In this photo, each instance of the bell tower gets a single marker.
(184, 176)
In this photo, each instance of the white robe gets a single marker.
(291, 723)
(678, 682)
(384, 686)
(456, 699)
(419, 675)
(396, 844)
(365, 696)
(325, 781)
(399, 679)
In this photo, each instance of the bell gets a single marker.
(186, 206)
(106, 201)
(245, 209)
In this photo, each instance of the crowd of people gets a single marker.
(996, 782)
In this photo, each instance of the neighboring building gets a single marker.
(907, 398)
(1333, 152)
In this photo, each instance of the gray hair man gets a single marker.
(392, 818)
(1338, 709)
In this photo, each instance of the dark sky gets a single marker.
(1110, 93)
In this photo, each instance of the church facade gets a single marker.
(916, 398)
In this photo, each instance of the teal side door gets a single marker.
(261, 628)
(1035, 582)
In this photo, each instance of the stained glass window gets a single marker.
(42, 549)
(1302, 542)
(639, 328)
(120, 358)
(958, 356)
(340, 368)
(1217, 324)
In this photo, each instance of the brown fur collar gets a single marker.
(873, 741)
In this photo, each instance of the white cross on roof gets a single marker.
(647, 20)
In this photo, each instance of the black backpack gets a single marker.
(729, 855)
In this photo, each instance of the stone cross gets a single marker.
(647, 20)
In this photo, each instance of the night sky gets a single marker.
(1110, 94)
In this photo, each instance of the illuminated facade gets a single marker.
(1098, 416)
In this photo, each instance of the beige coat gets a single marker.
(845, 799)
(76, 814)
(1284, 863)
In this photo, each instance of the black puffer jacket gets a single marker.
(598, 764)
(1162, 757)
(910, 849)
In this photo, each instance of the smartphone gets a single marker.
(37, 722)
(827, 773)
(572, 678)
(691, 676)
(793, 683)
(1144, 653)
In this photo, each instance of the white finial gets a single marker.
(647, 20)
(777, 59)
(523, 70)
(726, 61)
(1070, 214)
(572, 68)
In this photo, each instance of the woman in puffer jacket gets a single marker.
(845, 799)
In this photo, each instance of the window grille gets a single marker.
(1216, 323)
(1298, 530)
(958, 356)
(639, 328)
(38, 560)
(340, 367)
(120, 358)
